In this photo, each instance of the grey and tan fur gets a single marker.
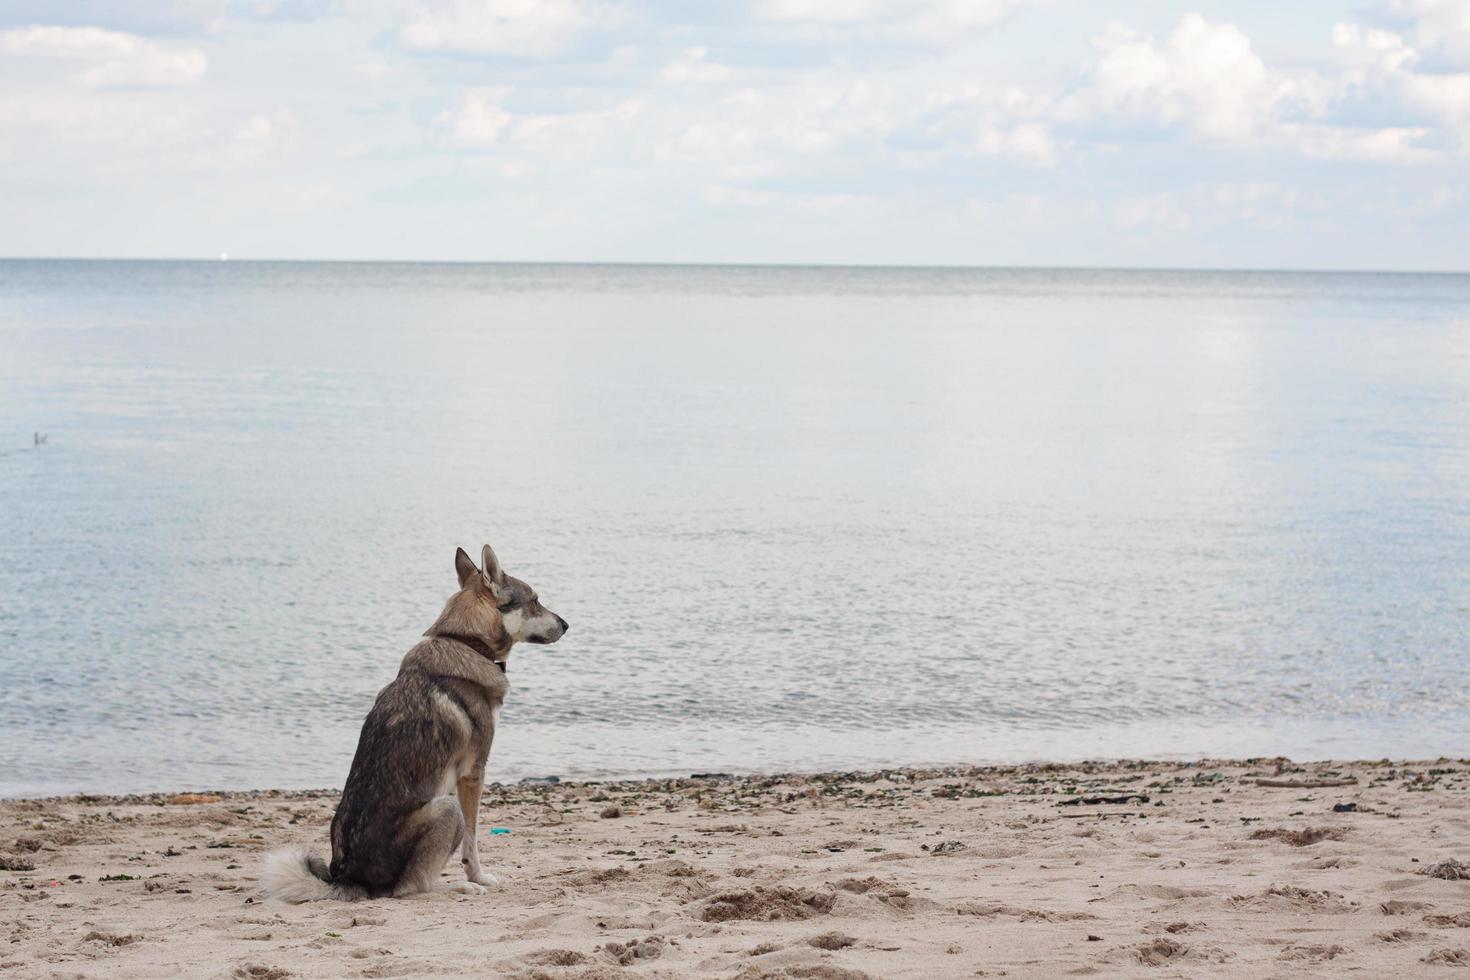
(413, 792)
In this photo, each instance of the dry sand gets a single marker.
(1193, 870)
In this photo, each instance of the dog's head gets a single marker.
(522, 617)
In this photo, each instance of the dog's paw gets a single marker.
(487, 879)
(468, 888)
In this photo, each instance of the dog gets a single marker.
(413, 792)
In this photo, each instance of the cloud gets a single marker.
(693, 67)
(1206, 80)
(1249, 199)
(1442, 26)
(607, 136)
(150, 17)
(116, 59)
(1028, 142)
(532, 142)
(1011, 124)
(479, 119)
(1385, 67)
(258, 139)
(1204, 77)
(1419, 203)
(868, 128)
(1372, 50)
(819, 205)
(1397, 144)
(528, 28)
(1216, 207)
(941, 22)
(804, 124)
(1161, 210)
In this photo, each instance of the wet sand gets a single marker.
(1214, 869)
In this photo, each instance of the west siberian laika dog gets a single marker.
(413, 792)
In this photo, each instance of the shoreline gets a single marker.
(1231, 868)
(978, 770)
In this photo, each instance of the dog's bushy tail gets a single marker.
(296, 875)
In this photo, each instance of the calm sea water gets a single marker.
(798, 518)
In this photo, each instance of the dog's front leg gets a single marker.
(470, 786)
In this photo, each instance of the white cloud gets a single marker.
(102, 131)
(604, 136)
(1205, 77)
(1161, 210)
(479, 119)
(1028, 142)
(531, 28)
(1397, 144)
(1207, 80)
(1217, 207)
(909, 114)
(1419, 203)
(933, 21)
(531, 142)
(1373, 50)
(812, 204)
(256, 140)
(1445, 96)
(116, 59)
(1439, 25)
(1203, 80)
(803, 124)
(1386, 66)
(693, 67)
(1247, 198)
(1012, 123)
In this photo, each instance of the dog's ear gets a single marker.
(464, 567)
(493, 574)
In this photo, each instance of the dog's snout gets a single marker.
(564, 625)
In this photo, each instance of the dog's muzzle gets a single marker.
(542, 638)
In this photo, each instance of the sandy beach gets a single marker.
(1230, 869)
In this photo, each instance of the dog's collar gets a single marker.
(476, 644)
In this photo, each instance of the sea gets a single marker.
(799, 519)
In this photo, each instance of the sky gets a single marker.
(1310, 134)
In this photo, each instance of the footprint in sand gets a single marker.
(259, 971)
(1397, 906)
(1326, 863)
(1140, 893)
(889, 894)
(1305, 837)
(1313, 953)
(1460, 920)
(761, 904)
(992, 909)
(555, 957)
(831, 940)
(1159, 952)
(102, 938)
(1290, 898)
(403, 968)
(1170, 952)
(627, 954)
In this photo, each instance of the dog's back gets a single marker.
(436, 716)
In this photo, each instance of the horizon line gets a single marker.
(225, 259)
